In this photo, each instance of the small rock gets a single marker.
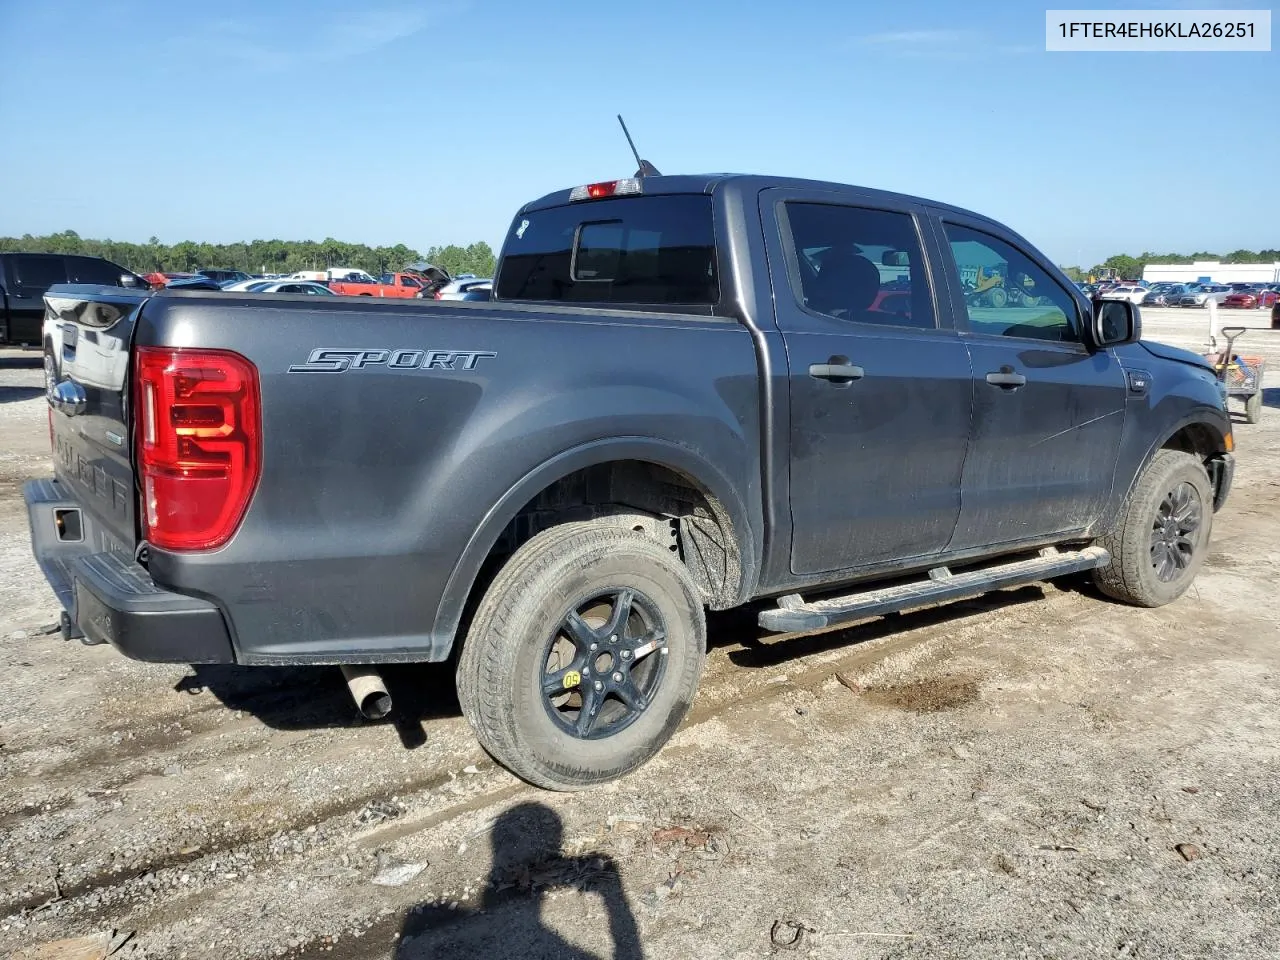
(683, 835)
(1188, 851)
(1094, 805)
(802, 711)
(18, 635)
(471, 768)
(961, 751)
(1190, 789)
(398, 876)
(376, 811)
(622, 821)
(172, 770)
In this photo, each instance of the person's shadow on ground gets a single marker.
(527, 863)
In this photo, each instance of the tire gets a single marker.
(1253, 407)
(998, 297)
(520, 638)
(1134, 574)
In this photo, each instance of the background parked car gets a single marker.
(24, 278)
(1126, 291)
(248, 286)
(225, 276)
(158, 279)
(1200, 296)
(1255, 299)
(1164, 295)
(475, 288)
(295, 286)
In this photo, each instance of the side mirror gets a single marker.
(1116, 322)
(128, 280)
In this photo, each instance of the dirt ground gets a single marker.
(1039, 773)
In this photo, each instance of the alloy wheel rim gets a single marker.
(1175, 531)
(604, 663)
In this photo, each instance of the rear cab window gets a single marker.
(624, 251)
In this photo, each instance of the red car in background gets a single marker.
(158, 280)
(1251, 299)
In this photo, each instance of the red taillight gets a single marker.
(199, 425)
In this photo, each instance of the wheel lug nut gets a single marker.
(626, 654)
(617, 678)
(614, 638)
(595, 646)
(599, 685)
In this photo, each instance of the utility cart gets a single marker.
(1241, 376)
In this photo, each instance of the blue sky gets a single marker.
(429, 123)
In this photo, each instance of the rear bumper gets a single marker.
(110, 597)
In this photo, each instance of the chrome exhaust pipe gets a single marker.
(367, 689)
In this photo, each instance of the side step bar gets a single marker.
(794, 614)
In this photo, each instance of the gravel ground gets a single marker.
(1038, 773)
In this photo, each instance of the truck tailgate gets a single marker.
(87, 333)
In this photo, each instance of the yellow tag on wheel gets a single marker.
(572, 679)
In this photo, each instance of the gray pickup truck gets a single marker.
(686, 393)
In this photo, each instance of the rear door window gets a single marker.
(93, 270)
(33, 275)
(635, 250)
(859, 264)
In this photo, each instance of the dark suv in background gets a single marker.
(225, 276)
(24, 278)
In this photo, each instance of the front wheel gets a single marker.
(1159, 543)
(584, 655)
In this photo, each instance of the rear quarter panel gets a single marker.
(376, 481)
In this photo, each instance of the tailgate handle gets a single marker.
(69, 397)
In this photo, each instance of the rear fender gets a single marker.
(661, 452)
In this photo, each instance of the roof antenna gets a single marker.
(646, 169)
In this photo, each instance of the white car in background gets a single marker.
(465, 288)
(286, 285)
(1200, 296)
(296, 286)
(1127, 291)
(248, 286)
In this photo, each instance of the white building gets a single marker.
(1205, 271)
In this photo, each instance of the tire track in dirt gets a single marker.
(818, 656)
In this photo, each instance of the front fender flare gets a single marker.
(648, 449)
(1210, 417)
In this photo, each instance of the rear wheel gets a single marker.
(998, 297)
(1159, 543)
(584, 655)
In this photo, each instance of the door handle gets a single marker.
(837, 370)
(1006, 379)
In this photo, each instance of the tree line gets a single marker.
(1131, 267)
(257, 256)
